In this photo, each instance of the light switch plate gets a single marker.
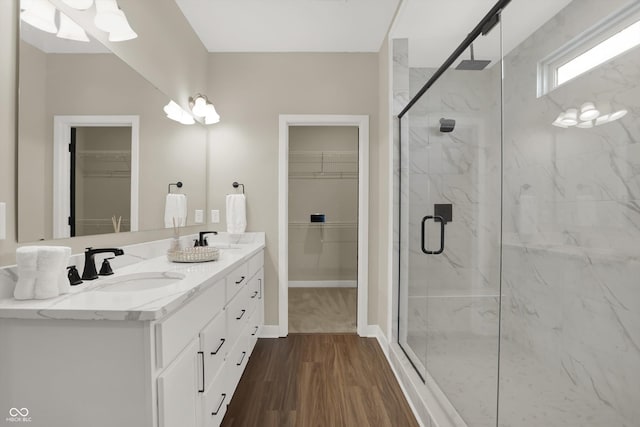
(215, 216)
(199, 216)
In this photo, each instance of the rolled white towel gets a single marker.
(50, 266)
(236, 213)
(27, 261)
(63, 282)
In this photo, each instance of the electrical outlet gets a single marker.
(215, 216)
(199, 216)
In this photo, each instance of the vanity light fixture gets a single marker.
(78, 4)
(111, 19)
(588, 117)
(175, 112)
(40, 14)
(203, 108)
(70, 30)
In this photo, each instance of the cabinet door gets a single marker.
(178, 389)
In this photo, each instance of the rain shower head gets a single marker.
(473, 64)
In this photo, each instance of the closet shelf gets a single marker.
(323, 164)
(325, 225)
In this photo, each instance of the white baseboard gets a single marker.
(270, 331)
(323, 283)
(374, 331)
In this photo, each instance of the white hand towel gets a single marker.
(175, 207)
(51, 264)
(27, 261)
(236, 213)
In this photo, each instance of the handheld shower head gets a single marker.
(447, 125)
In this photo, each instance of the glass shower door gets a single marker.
(450, 232)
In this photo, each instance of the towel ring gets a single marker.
(177, 184)
(236, 185)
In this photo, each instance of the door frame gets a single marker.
(61, 163)
(362, 122)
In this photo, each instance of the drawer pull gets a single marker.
(256, 331)
(201, 353)
(260, 280)
(222, 340)
(224, 396)
(244, 353)
(241, 314)
(254, 294)
(241, 280)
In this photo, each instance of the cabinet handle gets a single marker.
(224, 396)
(254, 294)
(201, 353)
(240, 281)
(256, 331)
(222, 340)
(241, 314)
(260, 280)
(244, 353)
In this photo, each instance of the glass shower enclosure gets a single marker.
(518, 221)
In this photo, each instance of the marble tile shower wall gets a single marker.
(571, 224)
(461, 168)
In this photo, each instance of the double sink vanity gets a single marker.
(156, 344)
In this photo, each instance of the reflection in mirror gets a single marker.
(84, 80)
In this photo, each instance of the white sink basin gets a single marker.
(139, 282)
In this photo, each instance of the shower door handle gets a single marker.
(439, 219)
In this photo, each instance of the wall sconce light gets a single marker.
(109, 18)
(203, 108)
(177, 113)
(587, 117)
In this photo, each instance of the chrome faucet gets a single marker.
(89, 272)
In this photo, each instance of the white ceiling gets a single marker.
(290, 25)
(436, 27)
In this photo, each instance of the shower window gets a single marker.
(614, 36)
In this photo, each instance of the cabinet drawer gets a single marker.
(252, 330)
(236, 362)
(237, 314)
(215, 401)
(174, 333)
(255, 263)
(213, 341)
(236, 280)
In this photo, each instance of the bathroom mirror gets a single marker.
(62, 78)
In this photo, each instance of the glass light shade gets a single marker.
(617, 115)
(40, 14)
(212, 115)
(605, 118)
(108, 17)
(79, 4)
(186, 119)
(199, 106)
(176, 113)
(70, 30)
(570, 117)
(122, 35)
(585, 125)
(588, 112)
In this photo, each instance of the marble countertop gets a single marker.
(87, 302)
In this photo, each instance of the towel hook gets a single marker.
(177, 184)
(236, 185)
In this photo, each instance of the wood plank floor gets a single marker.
(318, 380)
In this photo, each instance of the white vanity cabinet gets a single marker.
(195, 386)
(173, 360)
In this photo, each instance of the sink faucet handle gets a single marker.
(73, 275)
(105, 269)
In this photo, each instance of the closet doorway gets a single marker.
(323, 222)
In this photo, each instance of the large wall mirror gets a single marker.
(94, 143)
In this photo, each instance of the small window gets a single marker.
(610, 38)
